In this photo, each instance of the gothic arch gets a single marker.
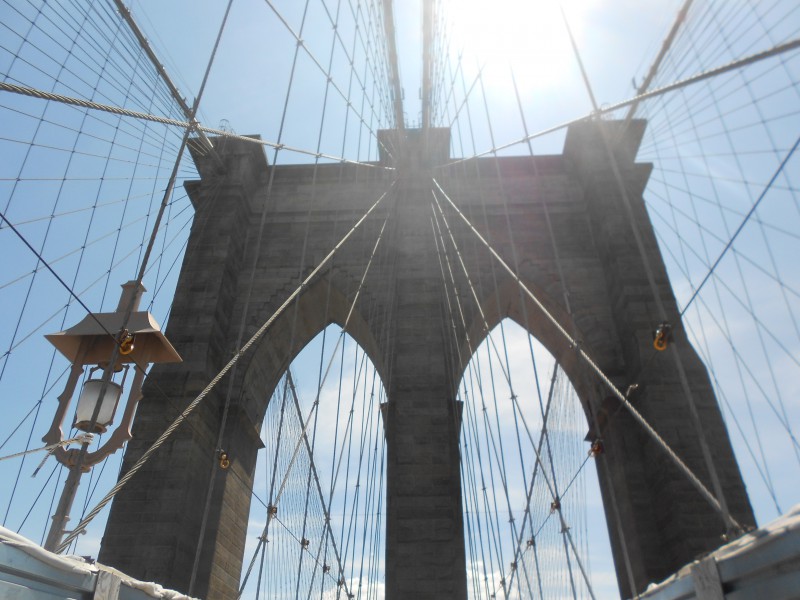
(317, 307)
(510, 301)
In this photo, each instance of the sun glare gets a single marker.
(529, 37)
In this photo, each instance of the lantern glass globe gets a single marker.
(88, 400)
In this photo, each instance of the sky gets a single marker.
(715, 148)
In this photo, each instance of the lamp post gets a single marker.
(112, 343)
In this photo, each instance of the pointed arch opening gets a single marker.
(534, 518)
(317, 514)
(508, 302)
(321, 305)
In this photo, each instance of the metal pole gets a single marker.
(61, 517)
(132, 303)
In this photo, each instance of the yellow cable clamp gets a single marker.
(661, 336)
(126, 344)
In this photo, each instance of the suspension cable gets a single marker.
(551, 485)
(709, 462)
(603, 377)
(81, 439)
(604, 110)
(188, 410)
(189, 125)
(746, 218)
(303, 434)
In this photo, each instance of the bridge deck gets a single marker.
(762, 564)
(29, 572)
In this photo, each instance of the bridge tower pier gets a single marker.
(654, 515)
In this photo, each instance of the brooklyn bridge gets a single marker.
(528, 331)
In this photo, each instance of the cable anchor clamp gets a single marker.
(126, 341)
(597, 448)
(662, 336)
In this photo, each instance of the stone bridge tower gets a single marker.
(652, 511)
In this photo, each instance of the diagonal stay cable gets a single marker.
(248, 296)
(498, 458)
(56, 530)
(537, 449)
(551, 485)
(313, 467)
(466, 451)
(483, 320)
(54, 274)
(327, 370)
(241, 352)
(527, 513)
(307, 421)
(491, 441)
(515, 262)
(736, 233)
(262, 539)
(716, 483)
(709, 497)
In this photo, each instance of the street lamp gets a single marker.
(112, 343)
